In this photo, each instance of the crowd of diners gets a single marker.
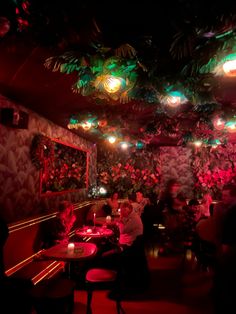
(206, 224)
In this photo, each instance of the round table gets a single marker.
(82, 250)
(61, 252)
(94, 232)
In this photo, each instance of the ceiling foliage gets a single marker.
(168, 74)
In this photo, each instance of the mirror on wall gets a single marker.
(65, 169)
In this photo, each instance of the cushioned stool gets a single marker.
(54, 296)
(98, 279)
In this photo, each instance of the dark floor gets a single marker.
(177, 286)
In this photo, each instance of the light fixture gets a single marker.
(112, 84)
(139, 145)
(124, 145)
(226, 66)
(229, 67)
(111, 139)
(231, 126)
(102, 190)
(198, 143)
(86, 125)
(174, 99)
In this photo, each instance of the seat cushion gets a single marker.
(101, 275)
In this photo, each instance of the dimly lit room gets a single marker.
(117, 157)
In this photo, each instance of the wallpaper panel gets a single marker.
(175, 162)
(19, 179)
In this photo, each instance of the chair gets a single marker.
(100, 279)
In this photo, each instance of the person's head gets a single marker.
(65, 208)
(139, 196)
(207, 199)
(125, 209)
(172, 186)
(115, 196)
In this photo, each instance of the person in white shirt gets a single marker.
(130, 224)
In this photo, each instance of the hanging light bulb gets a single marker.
(112, 84)
(112, 139)
(229, 67)
(174, 99)
(124, 145)
(198, 143)
(231, 126)
(86, 125)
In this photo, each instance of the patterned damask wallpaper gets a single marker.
(175, 162)
(19, 179)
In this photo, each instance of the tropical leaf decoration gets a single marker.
(184, 42)
(94, 70)
(125, 50)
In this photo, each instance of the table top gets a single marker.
(102, 220)
(82, 250)
(95, 232)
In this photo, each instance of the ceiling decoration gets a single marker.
(169, 78)
(96, 72)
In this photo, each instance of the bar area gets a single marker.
(117, 157)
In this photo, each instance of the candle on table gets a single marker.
(70, 248)
(108, 219)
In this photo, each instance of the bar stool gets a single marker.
(100, 279)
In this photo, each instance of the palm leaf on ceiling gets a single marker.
(125, 50)
(183, 42)
(71, 58)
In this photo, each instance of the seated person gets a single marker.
(193, 209)
(114, 203)
(57, 231)
(142, 202)
(133, 262)
(133, 202)
(205, 205)
(129, 255)
(130, 225)
(101, 209)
